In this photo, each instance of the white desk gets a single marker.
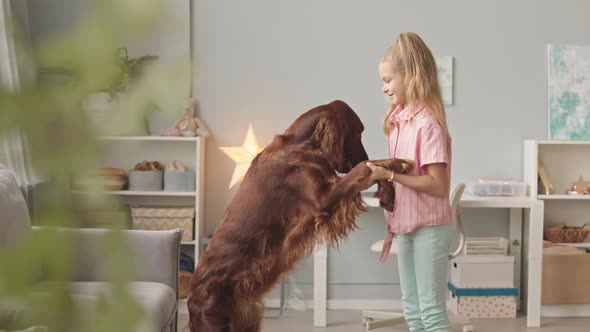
(534, 217)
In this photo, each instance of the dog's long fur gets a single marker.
(290, 196)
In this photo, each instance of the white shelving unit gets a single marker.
(144, 193)
(126, 151)
(564, 162)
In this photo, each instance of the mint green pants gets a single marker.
(423, 261)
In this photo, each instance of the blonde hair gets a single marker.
(411, 57)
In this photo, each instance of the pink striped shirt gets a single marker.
(417, 136)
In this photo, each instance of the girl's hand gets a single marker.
(379, 173)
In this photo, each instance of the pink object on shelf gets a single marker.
(170, 132)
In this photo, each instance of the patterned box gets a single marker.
(158, 224)
(482, 302)
(163, 212)
(165, 218)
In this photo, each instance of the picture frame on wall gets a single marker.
(569, 92)
(444, 66)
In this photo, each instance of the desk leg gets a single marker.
(320, 285)
(515, 246)
(535, 265)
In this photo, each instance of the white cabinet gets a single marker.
(563, 162)
(126, 151)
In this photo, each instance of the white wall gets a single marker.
(265, 62)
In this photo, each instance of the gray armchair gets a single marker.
(154, 257)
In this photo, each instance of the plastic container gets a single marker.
(497, 188)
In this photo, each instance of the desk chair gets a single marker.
(369, 318)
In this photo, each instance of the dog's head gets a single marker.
(336, 130)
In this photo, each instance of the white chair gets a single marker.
(377, 319)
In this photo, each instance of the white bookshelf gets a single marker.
(142, 193)
(564, 162)
(126, 151)
(151, 138)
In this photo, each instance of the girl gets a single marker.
(416, 129)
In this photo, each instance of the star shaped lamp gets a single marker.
(242, 156)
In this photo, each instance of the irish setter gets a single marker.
(290, 196)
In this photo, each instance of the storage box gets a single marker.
(483, 271)
(482, 302)
(158, 224)
(145, 180)
(486, 246)
(179, 180)
(565, 279)
(165, 218)
(497, 188)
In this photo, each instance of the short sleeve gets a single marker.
(434, 146)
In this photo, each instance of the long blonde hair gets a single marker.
(411, 57)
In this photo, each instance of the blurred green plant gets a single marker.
(63, 143)
(130, 71)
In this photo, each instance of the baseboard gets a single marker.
(339, 304)
(565, 310)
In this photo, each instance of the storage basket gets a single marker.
(497, 188)
(165, 218)
(179, 180)
(566, 234)
(145, 180)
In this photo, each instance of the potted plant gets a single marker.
(100, 105)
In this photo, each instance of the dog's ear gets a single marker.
(329, 137)
(321, 126)
(304, 126)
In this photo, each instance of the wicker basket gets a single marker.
(566, 234)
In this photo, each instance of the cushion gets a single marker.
(158, 300)
(14, 219)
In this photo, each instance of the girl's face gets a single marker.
(393, 83)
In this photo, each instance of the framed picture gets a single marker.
(569, 92)
(444, 66)
(546, 186)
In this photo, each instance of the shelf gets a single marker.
(191, 242)
(139, 193)
(578, 245)
(564, 197)
(564, 142)
(150, 138)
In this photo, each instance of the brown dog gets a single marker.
(290, 196)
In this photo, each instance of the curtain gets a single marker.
(13, 70)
